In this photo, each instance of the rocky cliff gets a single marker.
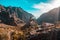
(13, 15)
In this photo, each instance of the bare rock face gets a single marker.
(14, 16)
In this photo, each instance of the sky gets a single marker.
(35, 7)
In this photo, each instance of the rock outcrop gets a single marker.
(14, 16)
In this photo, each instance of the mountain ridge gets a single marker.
(52, 16)
(9, 14)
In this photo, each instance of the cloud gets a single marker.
(45, 7)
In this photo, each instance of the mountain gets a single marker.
(52, 16)
(9, 14)
(20, 13)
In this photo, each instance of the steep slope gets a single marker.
(51, 16)
(9, 15)
(20, 13)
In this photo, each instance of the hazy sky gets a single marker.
(35, 7)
